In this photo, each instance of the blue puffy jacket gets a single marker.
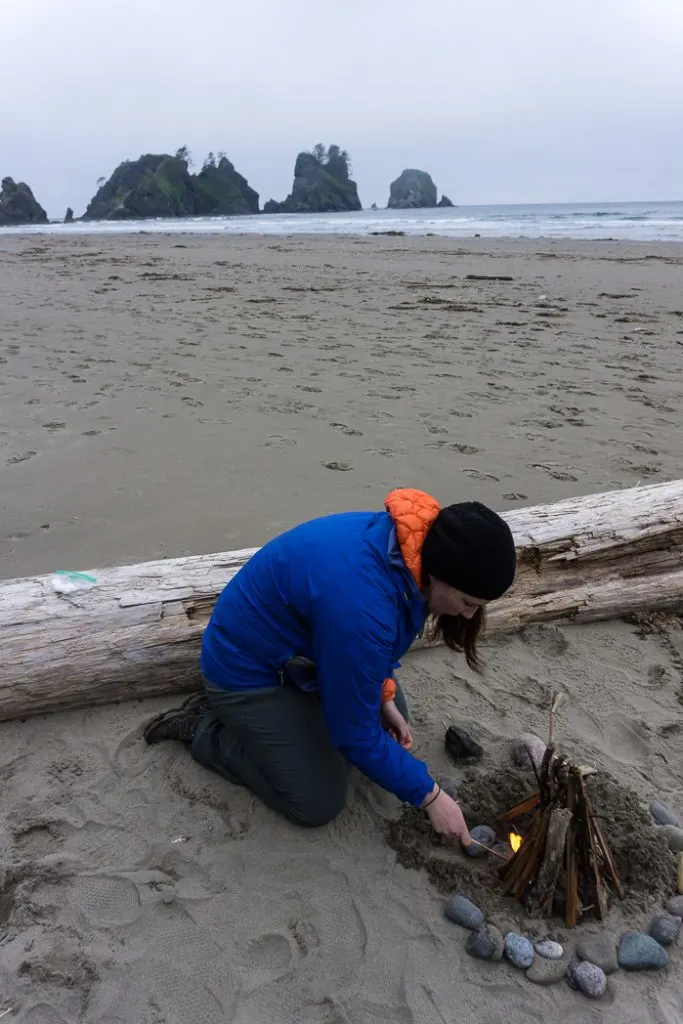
(335, 590)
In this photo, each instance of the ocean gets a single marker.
(634, 222)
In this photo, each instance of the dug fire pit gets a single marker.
(564, 853)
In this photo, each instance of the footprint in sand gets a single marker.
(269, 956)
(556, 474)
(626, 740)
(548, 641)
(475, 474)
(349, 431)
(106, 901)
(23, 457)
(278, 441)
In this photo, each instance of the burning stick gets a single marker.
(483, 846)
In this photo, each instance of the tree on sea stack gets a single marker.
(322, 184)
(161, 185)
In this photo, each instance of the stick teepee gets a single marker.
(564, 852)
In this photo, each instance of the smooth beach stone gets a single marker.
(518, 951)
(462, 911)
(590, 979)
(546, 972)
(460, 744)
(503, 850)
(640, 952)
(486, 943)
(674, 837)
(600, 950)
(483, 834)
(570, 974)
(528, 748)
(675, 906)
(662, 814)
(449, 786)
(665, 929)
(549, 949)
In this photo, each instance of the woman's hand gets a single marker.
(446, 817)
(396, 725)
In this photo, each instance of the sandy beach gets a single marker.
(162, 395)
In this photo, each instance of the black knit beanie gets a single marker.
(470, 547)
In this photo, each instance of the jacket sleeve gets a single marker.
(353, 652)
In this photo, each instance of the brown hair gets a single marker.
(459, 634)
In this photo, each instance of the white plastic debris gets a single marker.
(65, 582)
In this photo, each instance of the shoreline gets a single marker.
(635, 222)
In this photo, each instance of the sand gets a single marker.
(162, 395)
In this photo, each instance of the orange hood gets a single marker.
(413, 513)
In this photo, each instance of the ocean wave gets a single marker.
(638, 222)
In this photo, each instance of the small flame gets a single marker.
(515, 841)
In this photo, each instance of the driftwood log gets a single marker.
(137, 632)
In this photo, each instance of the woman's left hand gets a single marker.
(396, 725)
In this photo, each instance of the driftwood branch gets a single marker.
(137, 632)
(543, 892)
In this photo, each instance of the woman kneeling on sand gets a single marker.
(299, 654)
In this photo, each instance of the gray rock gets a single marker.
(640, 952)
(449, 786)
(675, 906)
(591, 980)
(518, 951)
(528, 748)
(412, 189)
(503, 850)
(662, 814)
(482, 834)
(460, 744)
(570, 974)
(549, 949)
(674, 837)
(462, 911)
(665, 929)
(600, 950)
(546, 972)
(18, 205)
(486, 943)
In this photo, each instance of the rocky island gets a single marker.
(160, 185)
(322, 184)
(414, 190)
(18, 205)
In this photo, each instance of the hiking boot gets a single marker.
(178, 723)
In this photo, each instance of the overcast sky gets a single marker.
(524, 101)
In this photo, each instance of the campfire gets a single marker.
(564, 857)
(515, 841)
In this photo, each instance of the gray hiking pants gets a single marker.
(275, 741)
